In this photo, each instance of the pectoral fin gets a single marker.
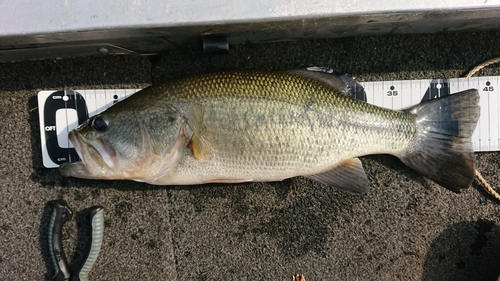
(347, 175)
(198, 148)
(198, 145)
(195, 117)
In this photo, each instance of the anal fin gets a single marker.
(347, 175)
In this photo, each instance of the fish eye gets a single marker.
(171, 119)
(100, 123)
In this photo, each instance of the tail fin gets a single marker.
(442, 148)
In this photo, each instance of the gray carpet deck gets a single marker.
(405, 228)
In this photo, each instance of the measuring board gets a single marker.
(62, 111)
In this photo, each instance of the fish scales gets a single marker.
(286, 125)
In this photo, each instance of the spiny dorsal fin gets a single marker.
(347, 175)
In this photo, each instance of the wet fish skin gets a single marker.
(237, 126)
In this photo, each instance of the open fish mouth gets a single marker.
(97, 157)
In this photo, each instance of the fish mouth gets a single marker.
(97, 158)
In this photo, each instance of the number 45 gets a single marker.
(488, 89)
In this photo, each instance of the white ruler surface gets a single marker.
(62, 111)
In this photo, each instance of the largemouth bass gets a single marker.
(242, 126)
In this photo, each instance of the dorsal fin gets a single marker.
(344, 84)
